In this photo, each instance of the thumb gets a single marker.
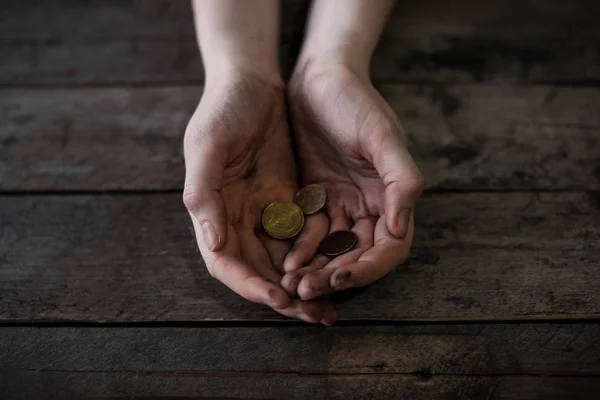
(403, 182)
(202, 196)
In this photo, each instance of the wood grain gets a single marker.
(463, 137)
(134, 258)
(492, 257)
(114, 19)
(566, 349)
(93, 42)
(53, 385)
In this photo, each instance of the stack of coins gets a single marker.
(285, 219)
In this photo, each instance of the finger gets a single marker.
(307, 244)
(317, 283)
(364, 230)
(313, 311)
(339, 221)
(387, 253)
(226, 266)
(277, 250)
(255, 254)
(291, 280)
(319, 261)
(202, 196)
(402, 179)
(248, 283)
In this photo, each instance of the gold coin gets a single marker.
(311, 198)
(282, 219)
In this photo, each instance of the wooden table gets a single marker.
(103, 293)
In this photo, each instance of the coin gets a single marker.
(282, 219)
(311, 198)
(338, 242)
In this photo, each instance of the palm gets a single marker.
(239, 136)
(331, 129)
(353, 187)
(343, 130)
(258, 170)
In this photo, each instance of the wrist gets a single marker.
(344, 33)
(227, 60)
(339, 59)
(224, 59)
(231, 71)
(238, 36)
(349, 50)
(231, 75)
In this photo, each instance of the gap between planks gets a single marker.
(419, 374)
(208, 324)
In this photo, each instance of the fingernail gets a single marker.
(210, 235)
(341, 278)
(271, 298)
(330, 317)
(292, 283)
(272, 301)
(309, 291)
(403, 221)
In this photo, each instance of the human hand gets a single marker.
(238, 160)
(349, 141)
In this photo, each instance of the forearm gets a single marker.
(238, 36)
(344, 31)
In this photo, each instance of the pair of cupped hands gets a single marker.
(253, 140)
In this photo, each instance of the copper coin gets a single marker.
(311, 198)
(282, 219)
(337, 243)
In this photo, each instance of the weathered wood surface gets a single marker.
(463, 137)
(507, 361)
(149, 19)
(133, 258)
(567, 349)
(57, 385)
(66, 42)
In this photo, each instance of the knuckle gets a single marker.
(304, 291)
(192, 199)
(414, 182)
(214, 268)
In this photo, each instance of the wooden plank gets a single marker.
(134, 258)
(66, 42)
(34, 21)
(177, 61)
(566, 349)
(126, 62)
(463, 136)
(101, 385)
(79, 128)
(117, 19)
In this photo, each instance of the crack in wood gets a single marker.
(418, 374)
